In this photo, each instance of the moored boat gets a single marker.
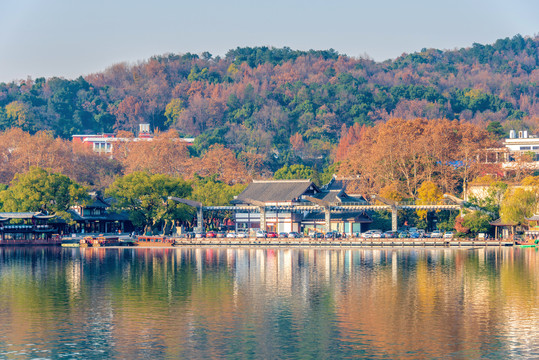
(144, 240)
(117, 241)
(128, 241)
(97, 241)
(108, 241)
(73, 242)
(527, 243)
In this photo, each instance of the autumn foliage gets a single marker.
(391, 125)
(403, 154)
(278, 101)
(19, 151)
(165, 154)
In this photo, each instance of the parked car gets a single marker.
(200, 235)
(436, 234)
(261, 234)
(333, 235)
(369, 233)
(448, 235)
(283, 234)
(415, 235)
(403, 235)
(231, 234)
(294, 235)
(242, 234)
(390, 234)
(271, 234)
(220, 234)
(211, 234)
(317, 235)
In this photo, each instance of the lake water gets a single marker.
(199, 303)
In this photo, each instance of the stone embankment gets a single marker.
(348, 242)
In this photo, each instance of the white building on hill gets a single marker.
(520, 151)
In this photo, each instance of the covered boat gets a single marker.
(159, 240)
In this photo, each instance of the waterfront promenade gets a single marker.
(346, 242)
(303, 242)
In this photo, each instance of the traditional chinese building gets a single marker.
(95, 218)
(503, 229)
(533, 226)
(28, 228)
(287, 205)
(334, 193)
(275, 194)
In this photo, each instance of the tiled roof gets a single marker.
(338, 196)
(105, 217)
(348, 184)
(499, 222)
(97, 202)
(277, 190)
(24, 215)
(331, 196)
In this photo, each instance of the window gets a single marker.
(525, 148)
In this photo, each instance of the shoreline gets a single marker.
(340, 243)
(315, 243)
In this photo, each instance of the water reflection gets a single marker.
(268, 303)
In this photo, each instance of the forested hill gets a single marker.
(269, 101)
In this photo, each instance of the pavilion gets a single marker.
(298, 205)
(95, 217)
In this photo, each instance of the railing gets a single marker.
(18, 227)
(341, 206)
(347, 241)
(11, 228)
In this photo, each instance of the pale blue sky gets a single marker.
(69, 38)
